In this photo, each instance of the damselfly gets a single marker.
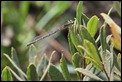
(59, 29)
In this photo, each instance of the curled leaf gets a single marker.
(115, 29)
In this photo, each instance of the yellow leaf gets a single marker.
(115, 29)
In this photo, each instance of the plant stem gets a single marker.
(84, 64)
(105, 72)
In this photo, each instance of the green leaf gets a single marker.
(64, 68)
(13, 63)
(79, 46)
(32, 54)
(31, 73)
(71, 45)
(117, 5)
(48, 66)
(103, 38)
(95, 71)
(111, 58)
(76, 60)
(112, 75)
(6, 75)
(17, 77)
(96, 64)
(116, 44)
(92, 51)
(16, 61)
(119, 60)
(86, 35)
(74, 39)
(108, 65)
(14, 56)
(117, 72)
(115, 61)
(85, 19)
(55, 74)
(42, 65)
(88, 73)
(78, 12)
(92, 25)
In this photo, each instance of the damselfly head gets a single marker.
(71, 21)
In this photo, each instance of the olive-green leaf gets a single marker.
(76, 60)
(64, 68)
(14, 56)
(32, 54)
(78, 12)
(115, 61)
(117, 5)
(55, 74)
(42, 65)
(103, 38)
(86, 35)
(96, 64)
(13, 63)
(17, 77)
(31, 73)
(6, 75)
(88, 73)
(74, 38)
(48, 66)
(92, 25)
(92, 60)
(71, 45)
(119, 60)
(16, 61)
(93, 53)
(85, 19)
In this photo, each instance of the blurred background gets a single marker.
(22, 21)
